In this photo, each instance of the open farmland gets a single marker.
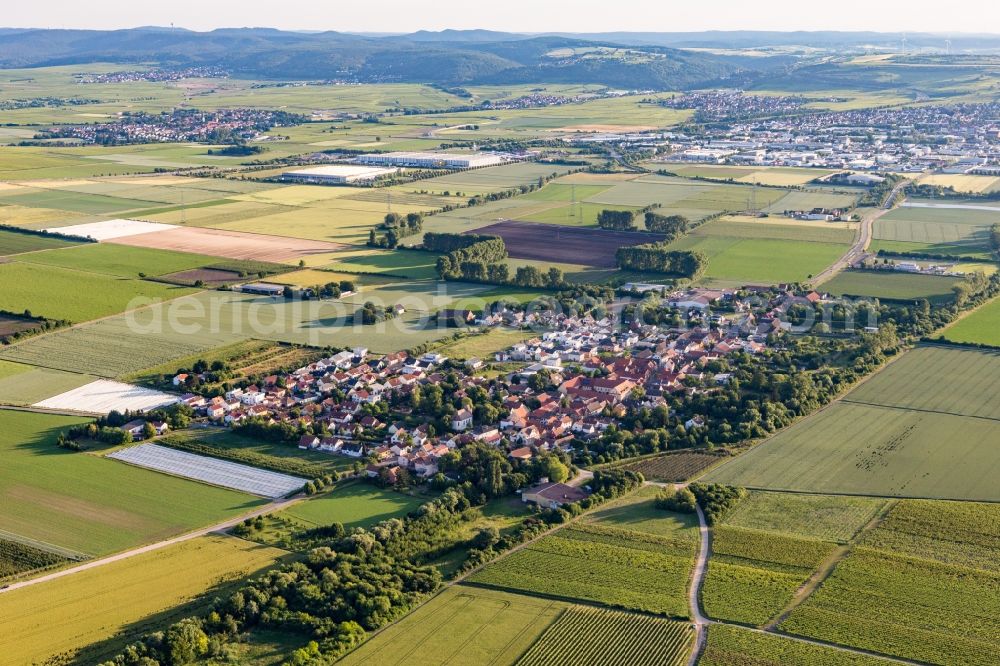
(461, 625)
(102, 396)
(122, 599)
(91, 505)
(210, 470)
(584, 635)
(753, 575)
(739, 260)
(23, 385)
(922, 586)
(117, 260)
(589, 247)
(12, 242)
(826, 517)
(892, 285)
(979, 327)
(111, 229)
(62, 293)
(893, 435)
(736, 646)
(941, 229)
(235, 245)
(675, 467)
(628, 555)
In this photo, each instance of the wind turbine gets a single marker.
(947, 45)
(903, 42)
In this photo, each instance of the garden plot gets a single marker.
(108, 229)
(102, 396)
(210, 470)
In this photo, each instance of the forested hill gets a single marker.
(479, 57)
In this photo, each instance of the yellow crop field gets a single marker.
(65, 614)
(962, 182)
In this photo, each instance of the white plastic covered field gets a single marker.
(108, 229)
(210, 470)
(103, 395)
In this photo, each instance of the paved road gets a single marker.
(702, 623)
(218, 527)
(694, 592)
(863, 238)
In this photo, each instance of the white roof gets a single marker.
(342, 170)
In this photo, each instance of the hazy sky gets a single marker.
(514, 15)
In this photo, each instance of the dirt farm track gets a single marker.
(565, 245)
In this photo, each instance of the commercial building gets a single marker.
(338, 173)
(433, 160)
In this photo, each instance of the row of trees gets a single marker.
(671, 226)
(395, 227)
(616, 220)
(487, 251)
(656, 258)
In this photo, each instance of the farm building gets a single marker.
(433, 160)
(338, 174)
(552, 495)
(261, 289)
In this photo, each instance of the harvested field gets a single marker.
(210, 470)
(547, 242)
(102, 396)
(674, 467)
(109, 229)
(232, 244)
(210, 277)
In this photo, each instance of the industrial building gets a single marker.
(433, 160)
(338, 173)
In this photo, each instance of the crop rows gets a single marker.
(16, 558)
(906, 607)
(735, 646)
(674, 467)
(643, 573)
(753, 575)
(590, 636)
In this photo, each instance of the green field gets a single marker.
(893, 435)
(629, 556)
(25, 385)
(165, 332)
(770, 544)
(119, 260)
(958, 231)
(79, 296)
(735, 646)
(12, 242)
(483, 346)
(122, 599)
(90, 504)
(924, 586)
(732, 259)
(980, 327)
(353, 505)
(892, 285)
(584, 635)
(462, 625)
(824, 517)
(753, 575)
